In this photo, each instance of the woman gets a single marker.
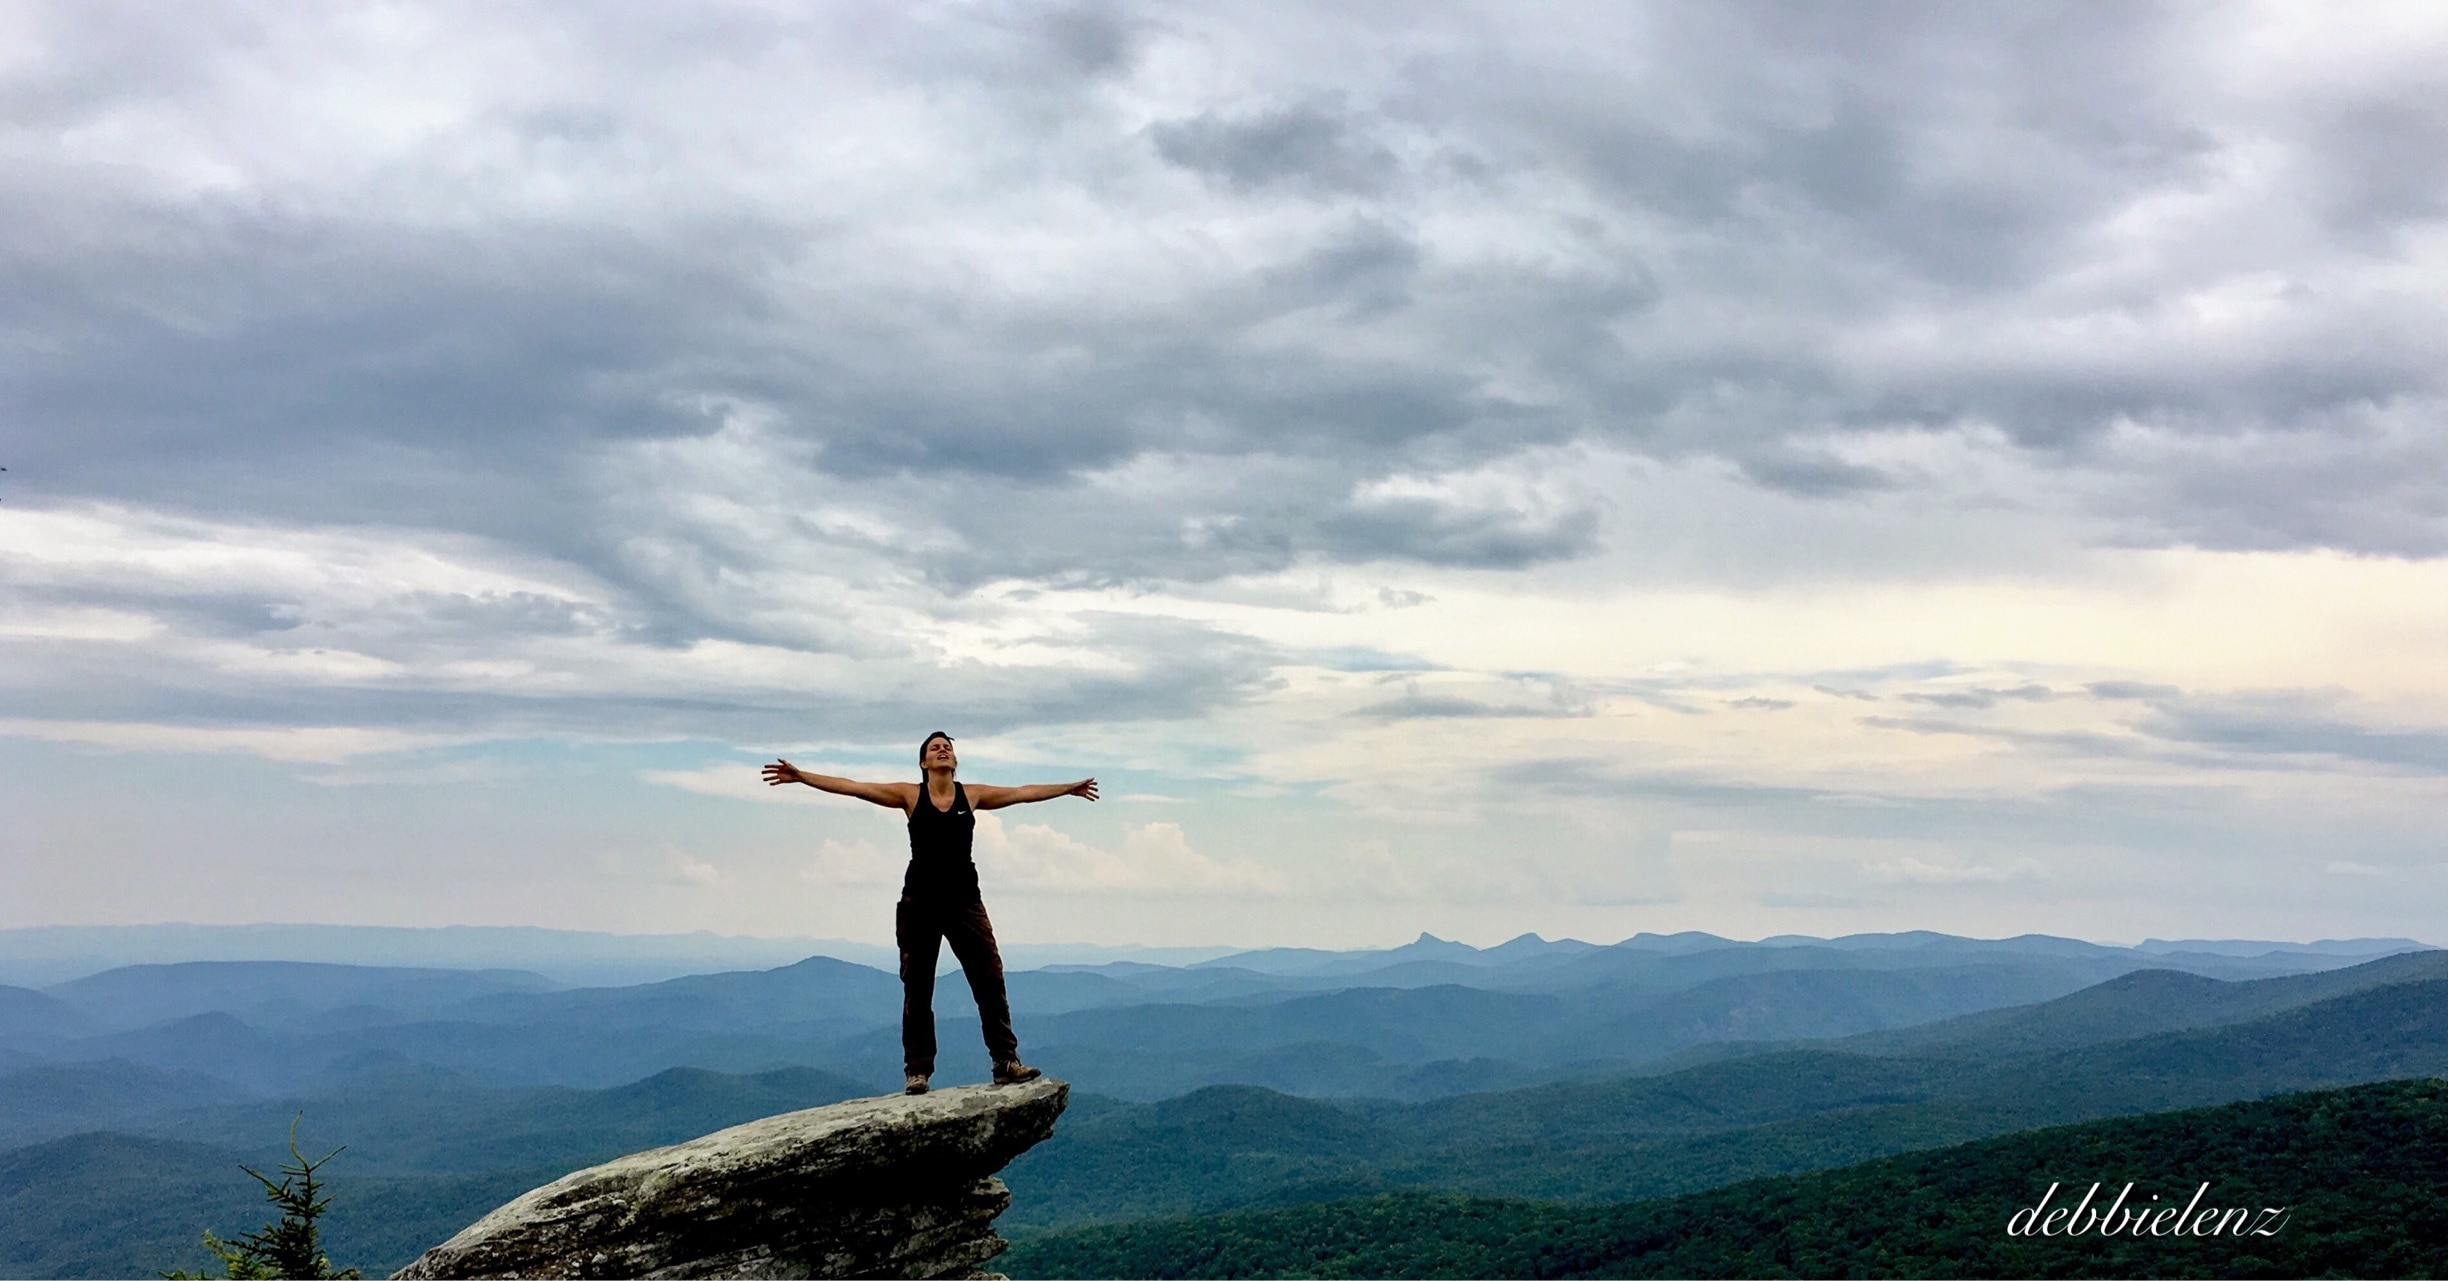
(939, 898)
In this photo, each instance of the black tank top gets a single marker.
(940, 869)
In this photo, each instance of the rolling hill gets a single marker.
(1654, 1135)
(427, 1153)
(1506, 1086)
(2357, 1178)
(1527, 1013)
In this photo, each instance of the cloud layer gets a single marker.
(1707, 412)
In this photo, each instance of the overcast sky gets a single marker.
(1751, 468)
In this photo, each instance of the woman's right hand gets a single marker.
(780, 772)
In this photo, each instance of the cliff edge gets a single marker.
(901, 1186)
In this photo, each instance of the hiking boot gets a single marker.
(915, 1085)
(1014, 1072)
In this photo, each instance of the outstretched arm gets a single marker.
(995, 798)
(896, 795)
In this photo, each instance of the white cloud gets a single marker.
(300, 744)
(858, 864)
(1153, 859)
(696, 871)
(741, 782)
(1913, 871)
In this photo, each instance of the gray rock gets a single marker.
(899, 1186)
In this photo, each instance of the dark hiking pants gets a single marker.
(920, 928)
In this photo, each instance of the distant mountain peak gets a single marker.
(2264, 947)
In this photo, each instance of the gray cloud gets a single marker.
(1368, 272)
(1430, 531)
(1307, 147)
(1070, 318)
(1814, 477)
(2079, 743)
(1169, 671)
(1414, 705)
(2140, 691)
(1971, 822)
(2275, 729)
(1980, 697)
(332, 333)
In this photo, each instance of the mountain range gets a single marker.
(1559, 1071)
(1428, 1018)
(2348, 1182)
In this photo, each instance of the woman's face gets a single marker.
(937, 754)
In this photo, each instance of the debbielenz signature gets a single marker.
(2147, 1219)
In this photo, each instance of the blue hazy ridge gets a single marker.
(1561, 1072)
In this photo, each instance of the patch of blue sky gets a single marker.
(1362, 658)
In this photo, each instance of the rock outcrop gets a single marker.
(900, 1186)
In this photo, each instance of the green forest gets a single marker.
(118, 1150)
(1782, 1111)
(2361, 1175)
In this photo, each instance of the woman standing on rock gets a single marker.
(940, 902)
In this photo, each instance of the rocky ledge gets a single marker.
(892, 1187)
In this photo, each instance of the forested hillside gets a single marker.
(1742, 1118)
(121, 1133)
(2357, 1178)
(426, 1155)
(1428, 1019)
